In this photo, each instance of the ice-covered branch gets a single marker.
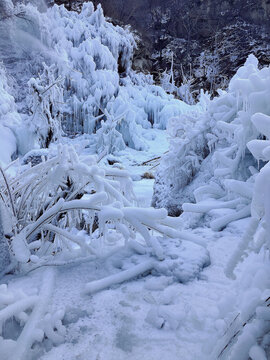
(120, 277)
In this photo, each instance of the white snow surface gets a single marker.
(150, 317)
(142, 285)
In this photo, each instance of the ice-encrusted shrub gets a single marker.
(233, 183)
(188, 148)
(108, 138)
(67, 209)
(46, 96)
(244, 314)
(9, 120)
(49, 201)
(92, 60)
(233, 164)
(183, 91)
(230, 167)
(247, 318)
(28, 315)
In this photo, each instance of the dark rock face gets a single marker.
(200, 18)
(210, 39)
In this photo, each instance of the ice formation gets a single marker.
(226, 178)
(9, 121)
(58, 207)
(214, 149)
(67, 192)
(30, 313)
(85, 79)
(66, 210)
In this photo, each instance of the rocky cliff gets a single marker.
(209, 39)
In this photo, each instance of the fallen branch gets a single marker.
(118, 278)
(30, 331)
(148, 161)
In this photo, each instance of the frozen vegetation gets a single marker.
(88, 269)
(78, 71)
(218, 159)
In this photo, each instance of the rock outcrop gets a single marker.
(210, 39)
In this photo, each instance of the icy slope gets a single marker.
(72, 73)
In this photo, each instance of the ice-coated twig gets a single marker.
(118, 278)
(73, 238)
(9, 191)
(17, 307)
(210, 205)
(242, 246)
(31, 331)
(220, 223)
(61, 206)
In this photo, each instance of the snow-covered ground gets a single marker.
(142, 164)
(113, 324)
(88, 269)
(151, 317)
